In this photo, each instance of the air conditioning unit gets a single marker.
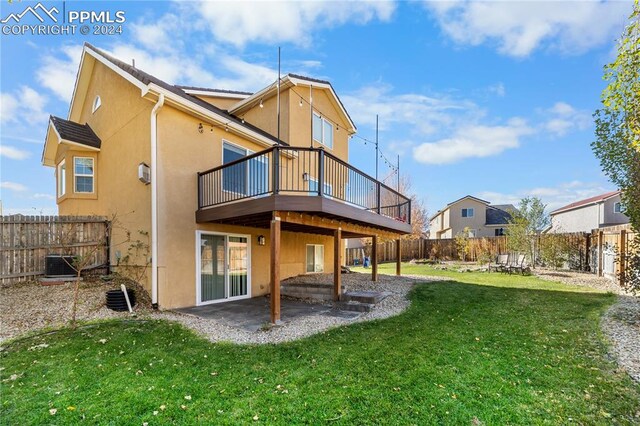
(144, 173)
(57, 265)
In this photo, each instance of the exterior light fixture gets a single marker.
(261, 240)
(261, 106)
(300, 101)
(200, 128)
(305, 177)
(226, 128)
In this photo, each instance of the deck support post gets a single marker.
(275, 269)
(398, 257)
(337, 264)
(374, 258)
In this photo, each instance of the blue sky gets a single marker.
(492, 99)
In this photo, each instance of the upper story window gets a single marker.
(96, 104)
(467, 212)
(62, 178)
(617, 207)
(83, 174)
(322, 131)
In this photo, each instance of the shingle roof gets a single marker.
(145, 78)
(74, 132)
(206, 89)
(586, 201)
(499, 214)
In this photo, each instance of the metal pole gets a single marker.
(278, 113)
(398, 172)
(377, 153)
(311, 113)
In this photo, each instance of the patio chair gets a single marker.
(502, 261)
(518, 264)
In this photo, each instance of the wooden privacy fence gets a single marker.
(26, 241)
(577, 244)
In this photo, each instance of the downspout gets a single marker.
(154, 201)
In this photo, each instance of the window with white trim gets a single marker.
(83, 174)
(322, 131)
(62, 178)
(617, 207)
(315, 258)
(96, 104)
(467, 212)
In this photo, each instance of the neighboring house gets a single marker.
(591, 213)
(230, 208)
(481, 218)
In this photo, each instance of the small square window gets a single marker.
(467, 212)
(83, 174)
(617, 207)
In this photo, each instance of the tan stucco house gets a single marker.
(479, 217)
(591, 213)
(230, 208)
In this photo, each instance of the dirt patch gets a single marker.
(30, 306)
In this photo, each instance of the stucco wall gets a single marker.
(579, 220)
(609, 217)
(122, 123)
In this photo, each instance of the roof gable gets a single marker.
(291, 81)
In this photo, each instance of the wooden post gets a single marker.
(600, 254)
(398, 257)
(337, 265)
(374, 258)
(275, 269)
(587, 252)
(622, 257)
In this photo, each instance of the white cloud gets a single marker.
(272, 22)
(498, 89)
(13, 186)
(519, 28)
(44, 196)
(555, 197)
(13, 153)
(562, 118)
(24, 105)
(424, 114)
(8, 107)
(473, 141)
(59, 74)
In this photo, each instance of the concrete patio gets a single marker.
(252, 314)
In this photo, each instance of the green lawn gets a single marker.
(478, 349)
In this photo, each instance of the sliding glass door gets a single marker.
(223, 268)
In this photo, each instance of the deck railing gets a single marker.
(299, 171)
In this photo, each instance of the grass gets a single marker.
(478, 349)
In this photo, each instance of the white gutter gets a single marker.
(154, 200)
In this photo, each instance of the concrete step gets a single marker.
(354, 306)
(307, 291)
(370, 297)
